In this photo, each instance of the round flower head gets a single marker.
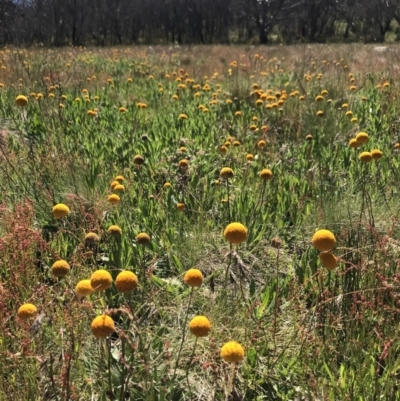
(183, 163)
(143, 239)
(122, 110)
(249, 157)
(362, 137)
(222, 149)
(27, 311)
(126, 281)
(120, 178)
(83, 288)
(365, 157)
(114, 199)
(320, 113)
(167, 185)
(193, 278)
(323, 240)
(102, 326)
(138, 160)
(232, 352)
(21, 101)
(236, 143)
(183, 117)
(235, 233)
(226, 173)
(60, 268)
(180, 207)
(328, 260)
(353, 143)
(200, 326)
(119, 188)
(114, 231)
(101, 280)
(376, 154)
(309, 137)
(261, 144)
(266, 174)
(60, 210)
(91, 238)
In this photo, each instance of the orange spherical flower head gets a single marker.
(126, 281)
(27, 311)
(182, 117)
(60, 210)
(362, 137)
(122, 110)
(120, 178)
(114, 199)
(266, 174)
(101, 280)
(114, 184)
(143, 239)
(21, 101)
(200, 326)
(60, 268)
(261, 144)
(119, 188)
(365, 157)
(376, 154)
(235, 233)
(102, 326)
(180, 207)
(354, 144)
(232, 352)
(249, 157)
(226, 173)
(84, 288)
(114, 231)
(91, 238)
(193, 278)
(323, 240)
(138, 160)
(183, 164)
(328, 260)
(222, 149)
(167, 185)
(309, 137)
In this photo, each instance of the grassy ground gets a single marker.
(308, 332)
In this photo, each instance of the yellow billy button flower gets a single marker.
(60, 268)
(193, 278)
(183, 164)
(354, 144)
(114, 184)
(84, 288)
(167, 185)
(91, 238)
(27, 311)
(180, 207)
(328, 260)
(114, 231)
(235, 233)
(376, 154)
(266, 174)
(138, 160)
(182, 117)
(232, 352)
(200, 326)
(249, 157)
(114, 199)
(60, 210)
(101, 280)
(120, 178)
(126, 281)
(143, 239)
(323, 240)
(365, 157)
(261, 144)
(21, 101)
(362, 137)
(226, 173)
(119, 188)
(102, 326)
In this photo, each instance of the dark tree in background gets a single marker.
(113, 22)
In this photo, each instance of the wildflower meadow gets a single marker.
(200, 223)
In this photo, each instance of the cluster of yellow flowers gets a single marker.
(324, 241)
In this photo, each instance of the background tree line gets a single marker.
(110, 22)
